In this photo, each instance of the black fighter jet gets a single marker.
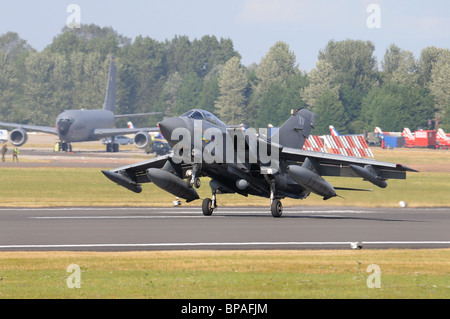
(247, 162)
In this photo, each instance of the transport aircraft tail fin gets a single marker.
(333, 131)
(110, 97)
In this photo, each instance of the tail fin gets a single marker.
(407, 134)
(296, 130)
(333, 131)
(441, 135)
(378, 130)
(110, 97)
(130, 125)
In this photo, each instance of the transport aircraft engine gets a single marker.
(18, 137)
(142, 139)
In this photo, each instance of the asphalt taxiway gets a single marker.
(152, 228)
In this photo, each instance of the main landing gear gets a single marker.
(276, 208)
(112, 147)
(209, 205)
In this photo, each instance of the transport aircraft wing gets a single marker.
(108, 132)
(36, 128)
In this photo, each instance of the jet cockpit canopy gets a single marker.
(197, 114)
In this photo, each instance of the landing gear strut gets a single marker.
(276, 208)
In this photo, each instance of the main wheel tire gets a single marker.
(207, 207)
(276, 208)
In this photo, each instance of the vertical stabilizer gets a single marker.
(333, 131)
(407, 134)
(110, 97)
(296, 130)
(441, 135)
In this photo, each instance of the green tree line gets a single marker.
(348, 88)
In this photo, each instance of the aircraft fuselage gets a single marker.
(79, 125)
(228, 173)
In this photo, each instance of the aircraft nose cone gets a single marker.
(64, 126)
(168, 126)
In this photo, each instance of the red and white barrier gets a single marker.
(348, 145)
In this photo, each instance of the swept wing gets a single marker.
(328, 164)
(36, 128)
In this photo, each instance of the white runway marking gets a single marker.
(236, 210)
(118, 217)
(349, 243)
(181, 210)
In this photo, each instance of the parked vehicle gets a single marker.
(3, 136)
(122, 140)
(159, 148)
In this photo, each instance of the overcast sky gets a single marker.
(253, 25)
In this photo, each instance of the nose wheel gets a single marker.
(194, 181)
(62, 146)
(194, 177)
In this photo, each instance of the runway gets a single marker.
(131, 229)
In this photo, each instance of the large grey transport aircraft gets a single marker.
(87, 125)
(247, 162)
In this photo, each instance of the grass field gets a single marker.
(85, 187)
(49, 187)
(226, 274)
